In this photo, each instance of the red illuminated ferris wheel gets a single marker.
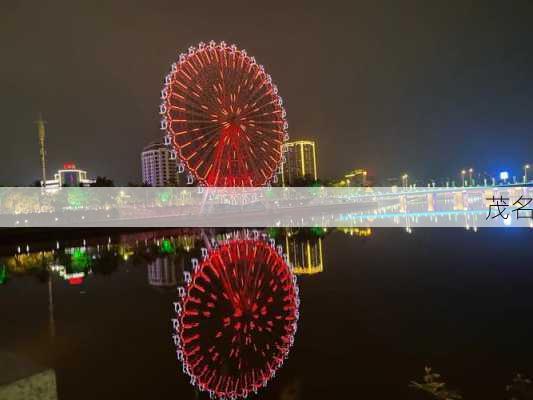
(223, 117)
(236, 319)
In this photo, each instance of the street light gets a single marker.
(504, 176)
(470, 172)
(463, 173)
(526, 167)
(404, 180)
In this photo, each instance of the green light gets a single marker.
(318, 231)
(165, 195)
(167, 247)
(80, 260)
(314, 189)
(3, 274)
(77, 197)
(273, 232)
(269, 193)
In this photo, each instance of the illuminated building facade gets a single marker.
(300, 163)
(357, 177)
(70, 176)
(305, 254)
(163, 271)
(359, 232)
(158, 167)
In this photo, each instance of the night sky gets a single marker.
(425, 87)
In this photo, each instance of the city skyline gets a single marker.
(171, 172)
(369, 97)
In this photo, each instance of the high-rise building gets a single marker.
(358, 177)
(163, 271)
(304, 254)
(300, 162)
(158, 167)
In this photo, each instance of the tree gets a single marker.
(433, 386)
(102, 181)
(133, 184)
(520, 388)
(306, 181)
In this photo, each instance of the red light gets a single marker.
(69, 165)
(237, 318)
(224, 117)
(75, 281)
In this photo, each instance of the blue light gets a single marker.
(504, 175)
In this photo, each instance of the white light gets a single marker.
(504, 175)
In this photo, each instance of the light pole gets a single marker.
(470, 172)
(526, 167)
(463, 173)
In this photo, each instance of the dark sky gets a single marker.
(426, 87)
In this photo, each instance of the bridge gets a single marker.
(256, 207)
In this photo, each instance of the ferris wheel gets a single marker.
(236, 317)
(223, 117)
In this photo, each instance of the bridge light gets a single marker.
(504, 176)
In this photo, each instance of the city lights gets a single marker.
(504, 176)
(162, 235)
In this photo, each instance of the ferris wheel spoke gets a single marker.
(192, 121)
(191, 70)
(204, 156)
(198, 110)
(263, 98)
(263, 102)
(243, 94)
(183, 93)
(184, 113)
(183, 90)
(255, 88)
(199, 59)
(260, 122)
(189, 101)
(196, 131)
(204, 153)
(248, 153)
(206, 55)
(206, 141)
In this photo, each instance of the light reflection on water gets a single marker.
(99, 307)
